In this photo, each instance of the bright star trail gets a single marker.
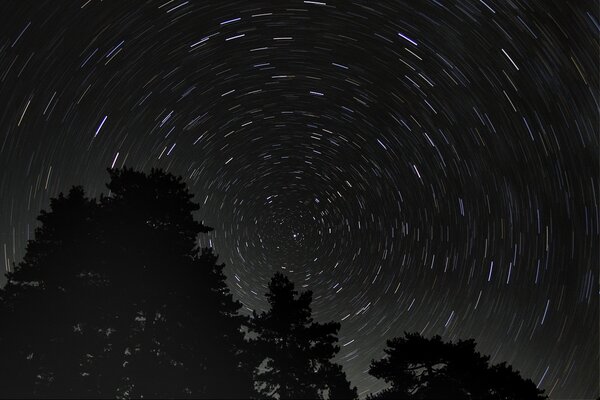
(424, 166)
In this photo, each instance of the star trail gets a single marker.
(426, 166)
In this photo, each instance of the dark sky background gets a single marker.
(424, 166)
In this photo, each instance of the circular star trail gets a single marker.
(420, 166)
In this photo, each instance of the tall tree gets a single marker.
(114, 298)
(41, 341)
(338, 386)
(295, 351)
(419, 368)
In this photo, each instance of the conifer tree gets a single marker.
(297, 351)
(419, 368)
(114, 298)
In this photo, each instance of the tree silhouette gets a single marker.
(114, 298)
(295, 351)
(339, 388)
(41, 346)
(421, 368)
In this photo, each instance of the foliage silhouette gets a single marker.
(296, 352)
(421, 368)
(114, 298)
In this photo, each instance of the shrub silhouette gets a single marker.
(295, 351)
(420, 368)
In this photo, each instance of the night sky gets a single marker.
(425, 166)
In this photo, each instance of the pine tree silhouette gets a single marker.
(295, 351)
(114, 298)
(339, 388)
(421, 368)
(41, 340)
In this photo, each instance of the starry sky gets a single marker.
(425, 166)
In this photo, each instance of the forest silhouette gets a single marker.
(115, 298)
